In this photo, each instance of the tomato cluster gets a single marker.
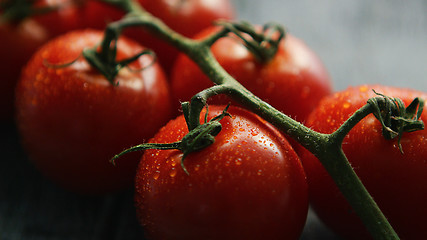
(248, 184)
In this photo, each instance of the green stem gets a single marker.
(198, 101)
(332, 158)
(327, 147)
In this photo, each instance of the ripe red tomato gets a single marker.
(293, 81)
(187, 17)
(249, 184)
(72, 120)
(398, 182)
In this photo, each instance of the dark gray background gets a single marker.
(359, 42)
(363, 41)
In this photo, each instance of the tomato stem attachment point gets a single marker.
(104, 59)
(395, 118)
(197, 139)
(263, 45)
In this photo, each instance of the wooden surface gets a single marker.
(360, 41)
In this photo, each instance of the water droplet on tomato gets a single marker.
(254, 131)
(197, 167)
(219, 180)
(172, 173)
(346, 105)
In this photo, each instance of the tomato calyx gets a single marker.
(202, 136)
(197, 139)
(263, 45)
(104, 60)
(395, 118)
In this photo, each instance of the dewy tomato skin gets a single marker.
(72, 120)
(397, 182)
(249, 184)
(293, 81)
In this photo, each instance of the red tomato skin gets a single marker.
(293, 81)
(66, 16)
(72, 121)
(98, 14)
(13, 58)
(186, 17)
(189, 17)
(396, 181)
(249, 184)
(19, 40)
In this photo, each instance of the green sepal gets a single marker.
(395, 118)
(197, 139)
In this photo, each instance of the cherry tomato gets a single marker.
(249, 184)
(397, 182)
(293, 81)
(187, 17)
(72, 120)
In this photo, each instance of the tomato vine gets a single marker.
(327, 147)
